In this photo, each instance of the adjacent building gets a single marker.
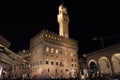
(104, 62)
(8, 59)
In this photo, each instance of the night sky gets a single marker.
(20, 21)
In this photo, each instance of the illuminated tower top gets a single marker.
(63, 20)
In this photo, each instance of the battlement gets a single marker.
(52, 36)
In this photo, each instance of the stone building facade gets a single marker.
(8, 59)
(104, 62)
(50, 54)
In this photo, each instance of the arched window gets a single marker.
(52, 50)
(47, 49)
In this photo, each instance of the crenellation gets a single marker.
(48, 34)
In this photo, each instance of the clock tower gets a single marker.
(63, 20)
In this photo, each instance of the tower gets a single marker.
(63, 20)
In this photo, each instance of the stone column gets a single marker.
(111, 65)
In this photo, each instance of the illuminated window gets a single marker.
(29, 65)
(56, 50)
(49, 36)
(47, 49)
(46, 35)
(29, 53)
(52, 50)
(52, 37)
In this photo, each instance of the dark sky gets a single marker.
(20, 21)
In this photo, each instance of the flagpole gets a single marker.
(101, 40)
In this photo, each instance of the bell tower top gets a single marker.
(63, 20)
(62, 8)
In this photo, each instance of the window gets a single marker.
(56, 63)
(29, 65)
(56, 70)
(46, 35)
(72, 65)
(66, 69)
(61, 71)
(74, 55)
(47, 62)
(52, 50)
(60, 52)
(55, 38)
(52, 37)
(75, 60)
(49, 36)
(56, 50)
(47, 49)
(29, 53)
(71, 59)
(52, 55)
(48, 70)
(75, 65)
(52, 63)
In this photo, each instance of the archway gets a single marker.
(105, 67)
(116, 63)
(93, 69)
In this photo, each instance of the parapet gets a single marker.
(52, 36)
